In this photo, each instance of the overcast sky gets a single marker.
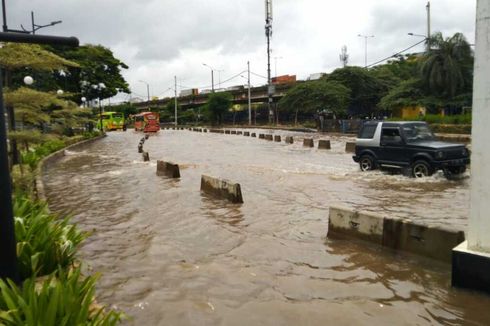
(160, 39)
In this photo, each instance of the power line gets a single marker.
(253, 73)
(394, 55)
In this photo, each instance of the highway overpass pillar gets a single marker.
(471, 259)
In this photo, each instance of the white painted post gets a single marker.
(479, 224)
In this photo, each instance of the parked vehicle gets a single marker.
(112, 121)
(147, 122)
(408, 145)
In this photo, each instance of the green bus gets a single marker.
(112, 121)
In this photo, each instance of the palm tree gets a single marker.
(447, 67)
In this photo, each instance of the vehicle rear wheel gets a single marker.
(421, 169)
(367, 163)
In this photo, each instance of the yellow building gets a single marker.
(410, 112)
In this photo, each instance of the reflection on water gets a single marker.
(170, 255)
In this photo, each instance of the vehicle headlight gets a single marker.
(439, 154)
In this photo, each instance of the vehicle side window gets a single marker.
(391, 135)
(367, 131)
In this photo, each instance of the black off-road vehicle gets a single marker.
(410, 146)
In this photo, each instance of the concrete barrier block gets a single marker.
(289, 139)
(246, 133)
(365, 226)
(277, 138)
(398, 234)
(239, 132)
(324, 144)
(140, 148)
(432, 242)
(221, 188)
(168, 169)
(227, 132)
(146, 156)
(350, 147)
(308, 142)
(261, 136)
(268, 137)
(253, 134)
(221, 131)
(233, 132)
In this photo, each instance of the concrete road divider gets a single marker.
(324, 144)
(261, 136)
(277, 138)
(308, 142)
(268, 137)
(227, 132)
(289, 139)
(233, 132)
(430, 241)
(350, 147)
(221, 188)
(239, 132)
(246, 133)
(168, 169)
(253, 134)
(146, 156)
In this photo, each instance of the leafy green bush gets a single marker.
(44, 243)
(464, 119)
(63, 299)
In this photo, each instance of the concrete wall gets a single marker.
(398, 234)
(168, 169)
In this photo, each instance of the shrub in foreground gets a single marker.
(44, 242)
(65, 298)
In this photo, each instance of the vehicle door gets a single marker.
(392, 147)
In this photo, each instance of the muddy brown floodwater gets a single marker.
(171, 256)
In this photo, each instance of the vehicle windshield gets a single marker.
(417, 132)
(117, 115)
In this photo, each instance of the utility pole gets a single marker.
(365, 47)
(268, 34)
(249, 99)
(428, 26)
(175, 98)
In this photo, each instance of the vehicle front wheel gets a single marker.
(367, 163)
(421, 169)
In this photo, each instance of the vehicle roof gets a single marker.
(110, 112)
(393, 123)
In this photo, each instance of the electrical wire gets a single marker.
(394, 55)
(253, 73)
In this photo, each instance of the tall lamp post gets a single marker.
(35, 27)
(426, 40)
(147, 89)
(212, 76)
(99, 88)
(8, 256)
(365, 47)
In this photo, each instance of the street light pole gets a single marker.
(212, 76)
(147, 90)
(428, 26)
(365, 47)
(249, 99)
(268, 34)
(175, 100)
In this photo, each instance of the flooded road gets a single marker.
(171, 256)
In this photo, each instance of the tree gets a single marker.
(97, 64)
(447, 68)
(311, 97)
(218, 104)
(366, 89)
(408, 93)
